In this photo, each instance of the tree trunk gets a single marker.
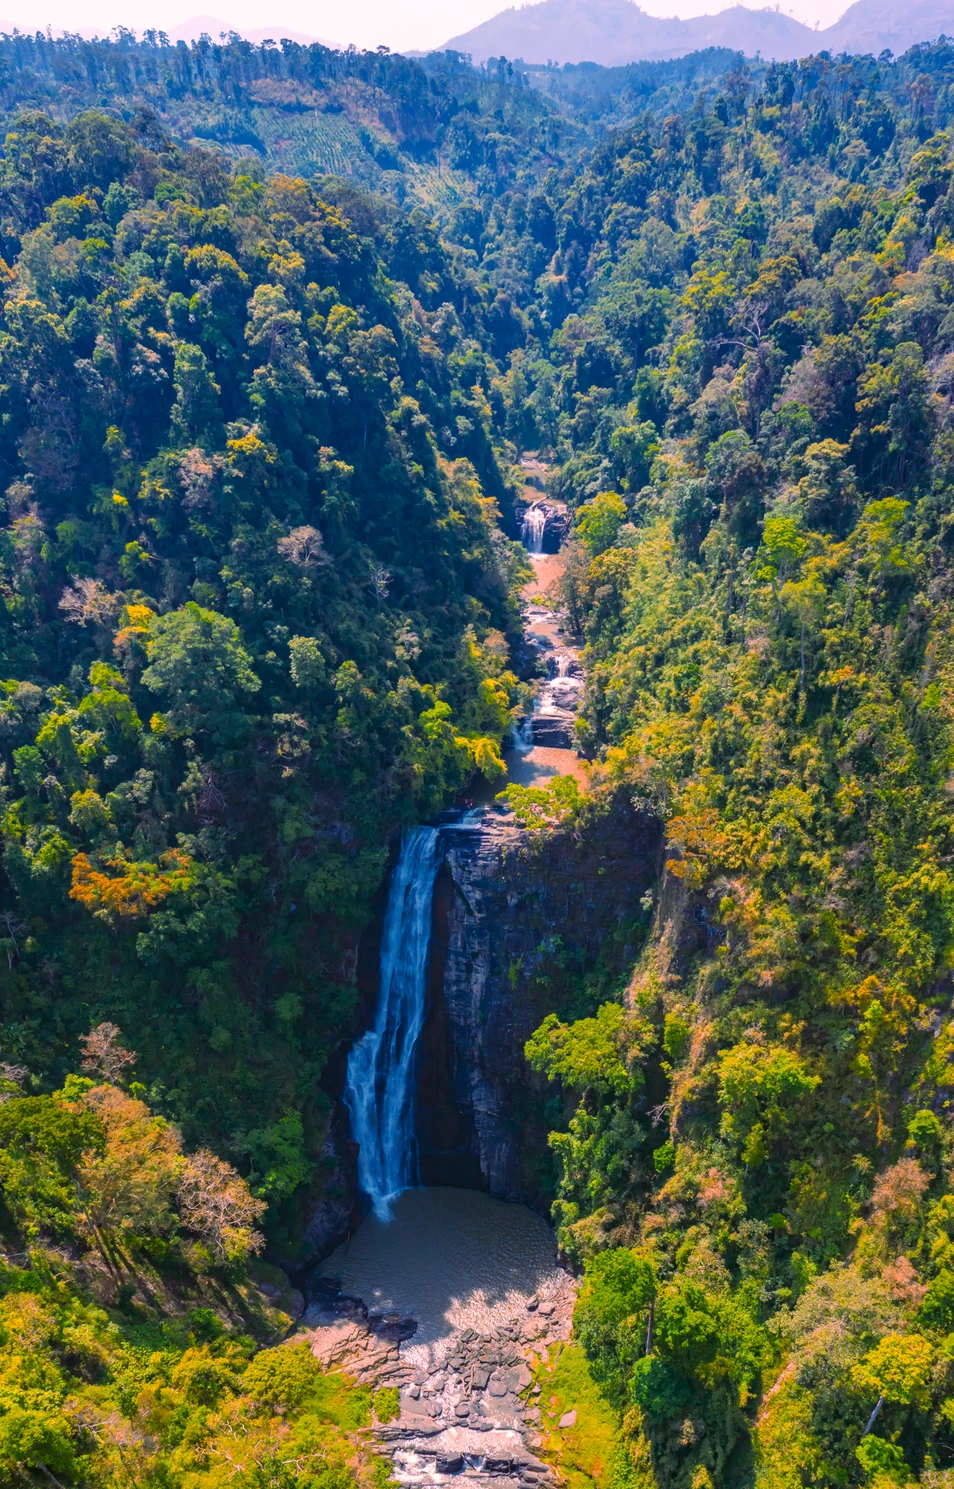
(873, 1418)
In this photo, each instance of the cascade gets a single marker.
(534, 526)
(523, 735)
(379, 1091)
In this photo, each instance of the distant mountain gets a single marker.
(212, 26)
(873, 25)
(616, 31)
(613, 32)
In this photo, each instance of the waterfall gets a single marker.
(534, 526)
(523, 735)
(379, 1092)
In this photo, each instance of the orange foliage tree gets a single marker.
(134, 890)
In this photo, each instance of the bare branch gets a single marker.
(104, 1055)
(305, 547)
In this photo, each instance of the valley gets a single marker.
(476, 740)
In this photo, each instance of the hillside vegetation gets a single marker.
(753, 408)
(258, 611)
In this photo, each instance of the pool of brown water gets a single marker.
(452, 1258)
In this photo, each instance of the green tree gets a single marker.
(199, 669)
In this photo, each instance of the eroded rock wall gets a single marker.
(521, 928)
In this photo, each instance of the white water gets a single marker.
(534, 526)
(523, 735)
(379, 1093)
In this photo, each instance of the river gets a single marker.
(479, 1275)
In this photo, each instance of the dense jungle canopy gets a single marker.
(261, 411)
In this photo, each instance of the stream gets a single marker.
(544, 745)
(449, 1292)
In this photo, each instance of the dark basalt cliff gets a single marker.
(520, 926)
(523, 925)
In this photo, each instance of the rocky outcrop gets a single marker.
(467, 1403)
(334, 1211)
(518, 925)
(470, 1404)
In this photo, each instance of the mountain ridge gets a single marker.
(614, 32)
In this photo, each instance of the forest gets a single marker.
(260, 609)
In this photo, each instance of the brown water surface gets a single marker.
(452, 1258)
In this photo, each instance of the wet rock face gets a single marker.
(548, 526)
(336, 1211)
(516, 927)
(513, 928)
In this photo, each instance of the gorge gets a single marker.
(479, 915)
(476, 770)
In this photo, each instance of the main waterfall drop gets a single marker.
(379, 1092)
(533, 528)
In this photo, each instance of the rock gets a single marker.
(348, 1345)
(336, 1212)
(568, 1418)
(532, 1304)
(393, 1326)
(414, 1392)
(462, 1409)
(554, 729)
(494, 907)
(547, 1310)
(453, 1464)
(532, 1414)
(524, 1378)
(499, 1387)
(481, 1377)
(498, 1465)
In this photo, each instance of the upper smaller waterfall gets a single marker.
(534, 526)
(379, 1093)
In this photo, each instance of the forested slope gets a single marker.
(753, 403)
(257, 609)
(258, 612)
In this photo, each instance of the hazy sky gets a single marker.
(367, 23)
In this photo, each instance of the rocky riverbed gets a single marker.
(546, 743)
(474, 1409)
(468, 1399)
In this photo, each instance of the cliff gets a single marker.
(522, 927)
